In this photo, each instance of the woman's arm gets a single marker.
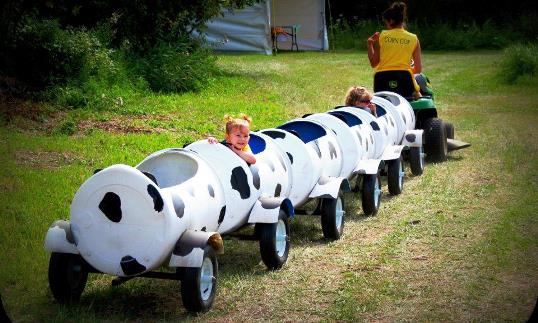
(373, 49)
(417, 58)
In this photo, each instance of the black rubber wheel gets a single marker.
(416, 160)
(395, 176)
(68, 275)
(371, 194)
(332, 217)
(274, 241)
(199, 285)
(449, 128)
(435, 144)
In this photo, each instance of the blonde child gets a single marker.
(237, 137)
(360, 97)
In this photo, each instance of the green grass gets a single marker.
(459, 244)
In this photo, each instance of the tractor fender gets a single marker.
(189, 249)
(59, 238)
(266, 209)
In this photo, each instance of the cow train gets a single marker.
(173, 208)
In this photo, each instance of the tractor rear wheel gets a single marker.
(436, 147)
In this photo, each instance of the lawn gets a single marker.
(459, 244)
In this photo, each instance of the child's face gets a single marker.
(238, 137)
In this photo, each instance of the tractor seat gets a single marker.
(401, 82)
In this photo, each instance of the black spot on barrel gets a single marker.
(316, 148)
(203, 229)
(255, 176)
(275, 134)
(239, 182)
(271, 165)
(290, 157)
(332, 150)
(131, 266)
(410, 137)
(151, 177)
(221, 215)
(110, 205)
(210, 190)
(375, 126)
(179, 205)
(157, 199)
(282, 162)
(278, 189)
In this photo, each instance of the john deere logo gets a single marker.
(393, 84)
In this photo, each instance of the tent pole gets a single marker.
(273, 24)
(331, 27)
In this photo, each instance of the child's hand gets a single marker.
(212, 140)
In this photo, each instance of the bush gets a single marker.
(433, 36)
(178, 67)
(519, 60)
(42, 54)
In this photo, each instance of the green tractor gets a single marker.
(438, 135)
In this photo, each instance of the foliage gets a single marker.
(514, 13)
(178, 67)
(63, 45)
(433, 36)
(518, 61)
(43, 54)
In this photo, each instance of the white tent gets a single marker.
(249, 29)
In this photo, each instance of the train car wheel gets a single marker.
(416, 160)
(274, 241)
(371, 194)
(332, 217)
(67, 276)
(395, 176)
(199, 285)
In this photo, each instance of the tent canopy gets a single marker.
(249, 29)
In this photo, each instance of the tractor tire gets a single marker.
(435, 145)
(449, 130)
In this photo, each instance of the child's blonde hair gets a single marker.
(357, 93)
(242, 121)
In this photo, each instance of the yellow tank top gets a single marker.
(396, 50)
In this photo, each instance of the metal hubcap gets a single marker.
(401, 175)
(339, 213)
(281, 238)
(377, 192)
(421, 157)
(206, 279)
